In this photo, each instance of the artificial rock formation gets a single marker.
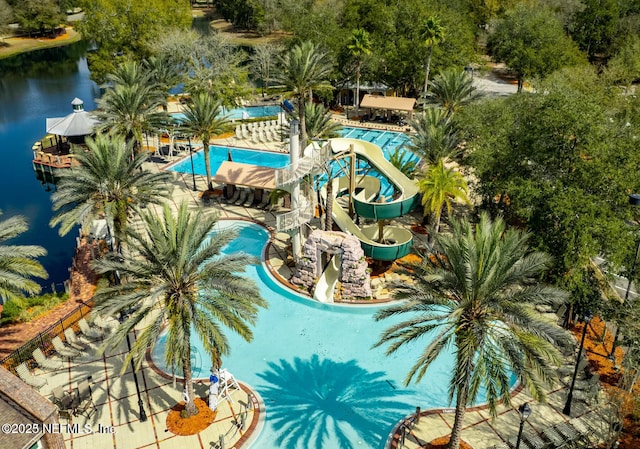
(354, 279)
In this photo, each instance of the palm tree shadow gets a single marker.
(314, 402)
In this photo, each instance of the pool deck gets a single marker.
(115, 394)
(480, 430)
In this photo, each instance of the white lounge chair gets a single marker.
(254, 136)
(47, 363)
(92, 333)
(29, 378)
(238, 132)
(261, 136)
(62, 349)
(73, 340)
(105, 324)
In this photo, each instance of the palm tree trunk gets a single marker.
(381, 231)
(461, 406)
(426, 77)
(207, 162)
(303, 124)
(358, 89)
(438, 216)
(190, 406)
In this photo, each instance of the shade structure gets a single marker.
(390, 103)
(246, 175)
(78, 123)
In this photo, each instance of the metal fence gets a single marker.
(43, 340)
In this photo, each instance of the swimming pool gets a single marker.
(313, 364)
(245, 112)
(387, 140)
(219, 153)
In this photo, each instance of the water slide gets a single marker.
(327, 282)
(396, 241)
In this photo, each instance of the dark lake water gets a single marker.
(34, 86)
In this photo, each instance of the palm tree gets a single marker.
(478, 293)
(17, 262)
(439, 188)
(402, 160)
(452, 89)
(301, 70)
(359, 46)
(436, 137)
(130, 110)
(165, 73)
(432, 33)
(107, 183)
(203, 119)
(319, 123)
(178, 278)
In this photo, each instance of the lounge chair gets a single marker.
(235, 196)
(62, 349)
(46, 363)
(107, 325)
(73, 340)
(29, 378)
(242, 198)
(250, 198)
(92, 333)
(264, 202)
(238, 132)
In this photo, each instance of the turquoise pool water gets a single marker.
(246, 112)
(314, 366)
(387, 140)
(218, 154)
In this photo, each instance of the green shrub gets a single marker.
(11, 311)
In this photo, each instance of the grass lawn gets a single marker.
(12, 46)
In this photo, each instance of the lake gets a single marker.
(34, 86)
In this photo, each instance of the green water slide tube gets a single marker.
(407, 198)
(396, 241)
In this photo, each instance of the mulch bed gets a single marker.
(442, 442)
(193, 424)
(597, 349)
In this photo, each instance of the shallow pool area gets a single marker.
(323, 384)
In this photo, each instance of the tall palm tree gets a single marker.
(432, 33)
(439, 188)
(17, 262)
(436, 136)
(178, 278)
(301, 70)
(130, 110)
(478, 293)
(107, 183)
(359, 45)
(129, 73)
(203, 119)
(452, 89)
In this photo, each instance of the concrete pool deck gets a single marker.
(116, 399)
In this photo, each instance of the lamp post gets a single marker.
(525, 412)
(634, 200)
(567, 407)
(116, 277)
(193, 173)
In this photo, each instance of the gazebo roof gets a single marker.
(393, 103)
(78, 123)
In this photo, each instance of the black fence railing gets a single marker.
(43, 340)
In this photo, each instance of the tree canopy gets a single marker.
(532, 42)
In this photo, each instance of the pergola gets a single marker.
(388, 104)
